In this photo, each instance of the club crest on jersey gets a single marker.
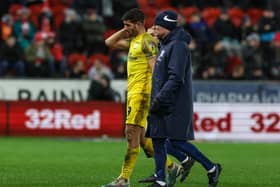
(135, 46)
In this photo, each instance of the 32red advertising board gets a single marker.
(3, 117)
(91, 119)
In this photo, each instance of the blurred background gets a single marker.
(58, 77)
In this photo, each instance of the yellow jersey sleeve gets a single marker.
(149, 46)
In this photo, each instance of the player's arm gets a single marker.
(150, 48)
(152, 62)
(118, 40)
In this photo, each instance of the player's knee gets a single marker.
(132, 138)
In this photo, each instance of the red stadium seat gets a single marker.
(58, 13)
(236, 15)
(233, 61)
(169, 8)
(104, 58)
(149, 22)
(149, 12)
(188, 11)
(53, 3)
(143, 3)
(35, 12)
(14, 8)
(255, 14)
(108, 33)
(74, 57)
(162, 3)
(210, 15)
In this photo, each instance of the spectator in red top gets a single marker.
(39, 58)
(57, 53)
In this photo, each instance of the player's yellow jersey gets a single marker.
(142, 48)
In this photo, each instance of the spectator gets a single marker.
(70, 33)
(46, 20)
(24, 29)
(6, 27)
(247, 28)
(274, 60)
(120, 6)
(93, 30)
(252, 57)
(119, 61)
(225, 31)
(238, 72)
(100, 89)
(77, 71)
(267, 25)
(82, 5)
(223, 27)
(196, 59)
(199, 30)
(57, 52)
(216, 62)
(11, 58)
(99, 69)
(39, 58)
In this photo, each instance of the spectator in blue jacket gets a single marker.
(171, 110)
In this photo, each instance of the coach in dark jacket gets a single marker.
(172, 89)
(171, 111)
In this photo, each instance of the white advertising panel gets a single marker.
(236, 121)
(51, 90)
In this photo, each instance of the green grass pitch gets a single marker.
(36, 162)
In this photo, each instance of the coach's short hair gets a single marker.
(134, 15)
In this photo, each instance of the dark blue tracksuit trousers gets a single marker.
(179, 146)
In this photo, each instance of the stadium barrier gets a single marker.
(235, 111)
(77, 90)
(3, 118)
(84, 119)
(212, 121)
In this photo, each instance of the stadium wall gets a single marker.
(59, 108)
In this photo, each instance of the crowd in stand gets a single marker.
(232, 39)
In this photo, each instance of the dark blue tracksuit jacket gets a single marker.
(172, 88)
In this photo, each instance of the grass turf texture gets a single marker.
(30, 162)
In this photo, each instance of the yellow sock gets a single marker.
(148, 148)
(168, 162)
(129, 162)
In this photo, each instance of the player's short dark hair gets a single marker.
(134, 15)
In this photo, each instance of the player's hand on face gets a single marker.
(125, 33)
